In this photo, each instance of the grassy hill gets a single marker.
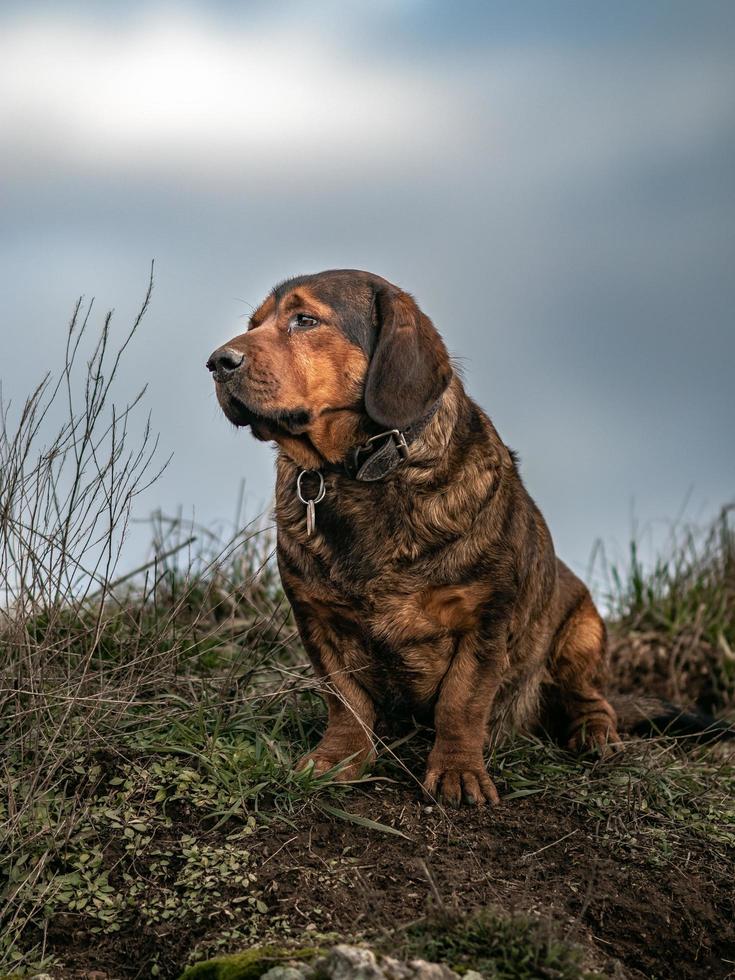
(150, 816)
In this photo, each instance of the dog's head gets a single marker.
(328, 358)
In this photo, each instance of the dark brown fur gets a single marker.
(434, 591)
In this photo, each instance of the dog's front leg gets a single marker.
(455, 769)
(348, 737)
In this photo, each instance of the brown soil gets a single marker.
(531, 856)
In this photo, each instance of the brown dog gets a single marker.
(421, 574)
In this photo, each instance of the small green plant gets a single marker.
(499, 947)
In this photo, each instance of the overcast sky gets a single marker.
(554, 181)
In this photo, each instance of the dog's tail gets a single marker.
(645, 716)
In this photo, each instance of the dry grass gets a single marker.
(674, 626)
(95, 664)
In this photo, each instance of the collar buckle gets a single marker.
(401, 444)
(396, 435)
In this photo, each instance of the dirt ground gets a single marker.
(534, 856)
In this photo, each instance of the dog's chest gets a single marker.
(400, 644)
(379, 567)
(402, 673)
(359, 530)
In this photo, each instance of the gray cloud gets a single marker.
(562, 207)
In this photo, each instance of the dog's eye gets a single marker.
(302, 321)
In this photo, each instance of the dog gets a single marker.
(421, 574)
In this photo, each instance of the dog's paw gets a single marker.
(351, 764)
(470, 785)
(602, 739)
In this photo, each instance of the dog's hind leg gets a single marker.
(577, 666)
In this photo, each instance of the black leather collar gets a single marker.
(374, 459)
(384, 452)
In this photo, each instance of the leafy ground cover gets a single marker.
(151, 817)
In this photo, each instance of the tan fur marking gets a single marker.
(578, 666)
(265, 310)
(456, 607)
(587, 630)
(318, 371)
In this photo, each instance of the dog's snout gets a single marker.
(224, 361)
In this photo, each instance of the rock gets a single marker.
(351, 963)
(418, 970)
(342, 962)
(355, 963)
(395, 969)
(283, 972)
(431, 971)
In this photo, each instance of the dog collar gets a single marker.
(382, 453)
(372, 460)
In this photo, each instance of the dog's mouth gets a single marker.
(238, 412)
(265, 425)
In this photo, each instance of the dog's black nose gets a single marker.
(224, 361)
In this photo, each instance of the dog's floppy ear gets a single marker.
(410, 366)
